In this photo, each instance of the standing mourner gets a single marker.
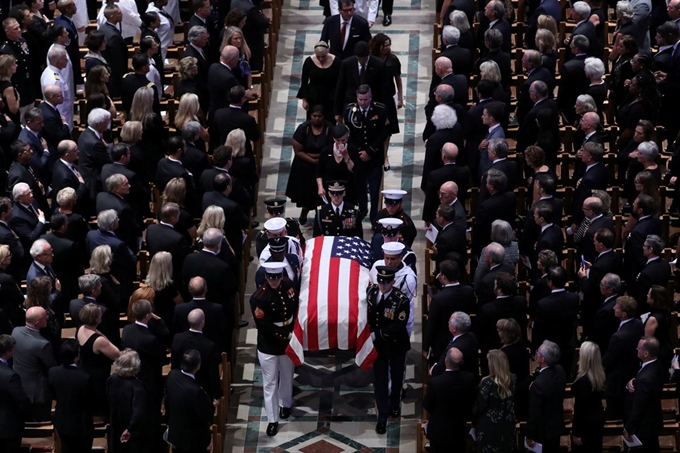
(388, 313)
(274, 308)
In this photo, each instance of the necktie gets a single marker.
(32, 209)
(49, 272)
(362, 73)
(337, 211)
(382, 299)
(343, 33)
(30, 170)
(74, 169)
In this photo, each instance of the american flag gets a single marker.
(333, 310)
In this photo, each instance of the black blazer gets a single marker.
(457, 389)
(189, 411)
(498, 206)
(587, 29)
(461, 59)
(442, 305)
(140, 193)
(595, 178)
(449, 172)
(605, 324)
(21, 173)
(575, 83)
(452, 237)
(222, 285)
(349, 81)
(93, 155)
(524, 103)
(26, 225)
(504, 62)
(54, 129)
(586, 246)
(528, 128)
(215, 328)
(550, 239)
(588, 411)
(620, 361)
(62, 177)
(14, 404)
(358, 31)
(656, 272)
(555, 320)
(468, 345)
(67, 263)
(124, 265)
(129, 231)
(20, 256)
(229, 118)
(503, 26)
(610, 262)
(514, 307)
(239, 194)
(208, 377)
(163, 238)
(546, 411)
(510, 169)
(152, 354)
(131, 409)
(634, 258)
(11, 300)
(644, 416)
(485, 287)
(116, 55)
(220, 80)
(72, 389)
(233, 212)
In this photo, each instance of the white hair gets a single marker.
(20, 189)
(98, 116)
(38, 247)
(444, 117)
(594, 67)
(451, 34)
(583, 9)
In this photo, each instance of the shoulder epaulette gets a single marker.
(379, 104)
(150, 85)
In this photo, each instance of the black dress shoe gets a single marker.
(387, 20)
(381, 428)
(272, 429)
(396, 413)
(242, 323)
(255, 224)
(284, 412)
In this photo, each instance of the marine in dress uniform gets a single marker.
(278, 246)
(390, 232)
(276, 227)
(405, 279)
(276, 207)
(388, 314)
(274, 308)
(133, 81)
(393, 208)
(368, 129)
(336, 218)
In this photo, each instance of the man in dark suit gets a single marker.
(14, 404)
(453, 296)
(550, 236)
(197, 47)
(9, 237)
(546, 394)
(587, 131)
(72, 390)
(605, 323)
(457, 174)
(361, 69)
(33, 359)
(65, 174)
(55, 128)
(116, 53)
(493, 41)
(463, 340)
(620, 361)
(644, 416)
(22, 171)
(254, 30)
(344, 30)
(139, 194)
(666, 37)
(221, 79)
(540, 289)
(41, 266)
(595, 177)
(580, 14)
(643, 209)
(215, 320)
(208, 376)
(543, 111)
(27, 220)
(67, 263)
(656, 271)
(204, 18)
(235, 117)
(555, 317)
(163, 237)
(42, 160)
(495, 258)
(451, 237)
(68, 9)
(446, 428)
(222, 161)
(150, 348)
(189, 408)
(443, 74)
(592, 209)
(485, 122)
(501, 204)
(90, 287)
(133, 81)
(548, 7)
(494, 19)
(498, 150)
(129, 230)
(171, 167)
(576, 82)
(459, 56)
(237, 220)
(531, 64)
(93, 150)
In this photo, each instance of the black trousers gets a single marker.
(388, 369)
(75, 444)
(10, 445)
(387, 6)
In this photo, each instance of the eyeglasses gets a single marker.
(445, 193)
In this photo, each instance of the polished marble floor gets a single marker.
(334, 407)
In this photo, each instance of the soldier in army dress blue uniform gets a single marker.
(337, 218)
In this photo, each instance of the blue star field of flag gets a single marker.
(352, 248)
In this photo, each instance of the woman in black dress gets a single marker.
(11, 299)
(95, 41)
(8, 92)
(657, 322)
(159, 278)
(588, 390)
(96, 355)
(641, 103)
(338, 162)
(38, 295)
(176, 192)
(380, 47)
(514, 346)
(309, 139)
(594, 70)
(320, 74)
(493, 415)
(100, 264)
(151, 21)
(624, 50)
(534, 157)
(546, 45)
(154, 134)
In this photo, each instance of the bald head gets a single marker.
(449, 152)
(229, 55)
(449, 187)
(454, 358)
(443, 65)
(34, 317)
(590, 121)
(196, 319)
(197, 287)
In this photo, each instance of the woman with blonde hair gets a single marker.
(96, 82)
(153, 130)
(493, 414)
(131, 134)
(167, 291)
(100, 264)
(190, 82)
(213, 217)
(242, 163)
(515, 348)
(175, 192)
(189, 109)
(645, 184)
(547, 22)
(588, 391)
(547, 46)
(8, 92)
(233, 36)
(489, 70)
(38, 295)
(11, 298)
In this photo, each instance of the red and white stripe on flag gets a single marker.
(333, 312)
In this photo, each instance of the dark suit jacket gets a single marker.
(461, 59)
(20, 256)
(555, 320)
(66, 264)
(443, 304)
(503, 60)
(26, 225)
(485, 288)
(550, 239)
(93, 156)
(452, 237)
(547, 7)
(128, 229)
(587, 29)
(163, 238)
(349, 81)
(21, 173)
(634, 258)
(586, 246)
(656, 272)
(524, 103)
(208, 377)
(72, 389)
(528, 128)
(33, 358)
(236, 219)
(546, 412)
(239, 194)
(358, 31)
(220, 80)
(62, 177)
(605, 324)
(215, 328)
(230, 118)
(14, 404)
(468, 345)
(116, 55)
(167, 170)
(514, 307)
(189, 411)
(152, 354)
(575, 83)
(644, 416)
(124, 265)
(662, 60)
(139, 195)
(131, 409)
(503, 26)
(460, 90)
(54, 130)
(610, 262)
(451, 389)
(595, 178)
(222, 285)
(450, 172)
(499, 206)
(620, 361)
(40, 161)
(511, 171)
(109, 326)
